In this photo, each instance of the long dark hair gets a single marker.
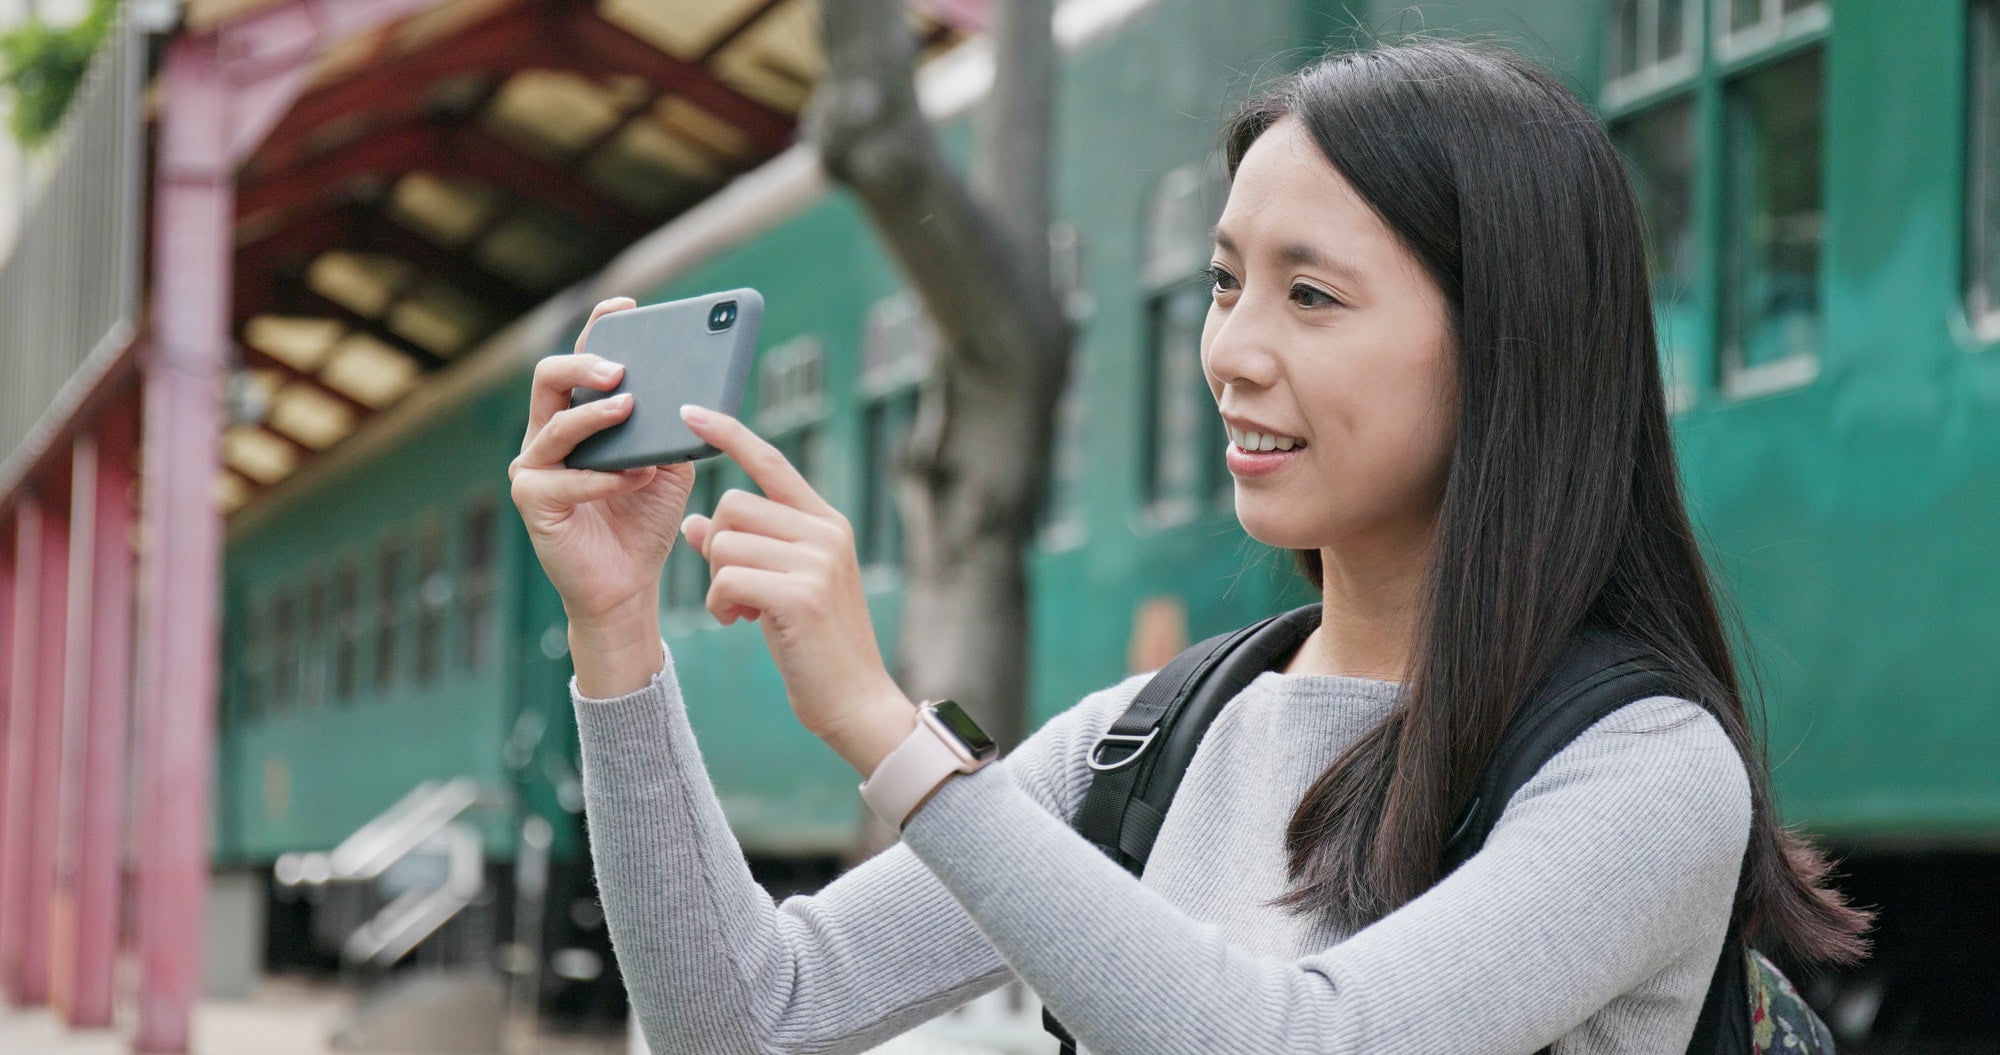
(1563, 504)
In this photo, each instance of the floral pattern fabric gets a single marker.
(1780, 1020)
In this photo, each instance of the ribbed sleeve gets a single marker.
(1612, 872)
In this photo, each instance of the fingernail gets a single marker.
(693, 415)
(622, 399)
(605, 371)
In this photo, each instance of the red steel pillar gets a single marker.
(24, 550)
(180, 558)
(38, 886)
(97, 694)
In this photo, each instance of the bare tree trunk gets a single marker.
(976, 464)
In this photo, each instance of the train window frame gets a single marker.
(284, 681)
(479, 582)
(1176, 236)
(899, 344)
(256, 665)
(792, 409)
(347, 675)
(1982, 172)
(391, 553)
(313, 620)
(1060, 525)
(433, 588)
(1656, 76)
(1736, 379)
(684, 579)
(1774, 26)
(1672, 294)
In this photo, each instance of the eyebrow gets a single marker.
(1297, 253)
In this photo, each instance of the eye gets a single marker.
(1215, 276)
(1325, 299)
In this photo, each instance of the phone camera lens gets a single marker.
(722, 316)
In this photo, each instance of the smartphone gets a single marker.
(696, 351)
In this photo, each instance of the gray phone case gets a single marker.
(670, 357)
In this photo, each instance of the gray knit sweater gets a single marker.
(1592, 917)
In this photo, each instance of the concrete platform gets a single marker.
(282, 1017)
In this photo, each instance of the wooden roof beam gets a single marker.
(285, 294)
(605, 47)
(427, 144)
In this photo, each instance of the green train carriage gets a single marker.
(1822, 184)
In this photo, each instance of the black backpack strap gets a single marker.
(1138, 762)
(1595, 674)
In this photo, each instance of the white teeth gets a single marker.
(1262, 441)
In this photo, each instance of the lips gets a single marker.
(1245, 463)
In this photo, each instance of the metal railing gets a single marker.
(69, 290)
(425, 822)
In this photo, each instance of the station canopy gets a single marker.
(447, 173)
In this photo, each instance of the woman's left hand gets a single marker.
(787, 560)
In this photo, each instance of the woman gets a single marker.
(1431, 322)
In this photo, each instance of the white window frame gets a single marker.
(1982, 289)
(1735, 380)
(1771, 29)
(1652, 76)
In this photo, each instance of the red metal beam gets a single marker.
(25, 645)
(564, 36)
(494, 45)
(98, 692)
(179, 570)
(45, 783)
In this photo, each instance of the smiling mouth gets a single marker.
(1255, 442)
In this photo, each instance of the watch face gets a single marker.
(962, 726)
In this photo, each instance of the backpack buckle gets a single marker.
(1138, 748)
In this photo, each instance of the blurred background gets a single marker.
(286, 754)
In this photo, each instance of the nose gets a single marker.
(1239, 346)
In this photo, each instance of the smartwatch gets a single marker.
(945, 741)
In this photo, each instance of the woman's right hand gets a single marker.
(602, 537)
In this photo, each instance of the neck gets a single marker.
(1371, 594)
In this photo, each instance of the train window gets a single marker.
(1657, 144)
(685, 580)
(477, 573)
(434, 590)
(1771, 209)
(1058, 519)
(256, 661)
(346, 629)
(885, 422)
(1651, 46)
(388, 613)
(791, 402)
(1745, 26)
(790, 385)
(312, 644)
(896, 352)
(1983, 174)
(284, 654)
(1182, 469)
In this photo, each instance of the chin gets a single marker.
(1280, 524)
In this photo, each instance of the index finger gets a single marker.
(768, 467)
(552, 394)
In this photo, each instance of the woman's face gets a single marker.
(1325, 330)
